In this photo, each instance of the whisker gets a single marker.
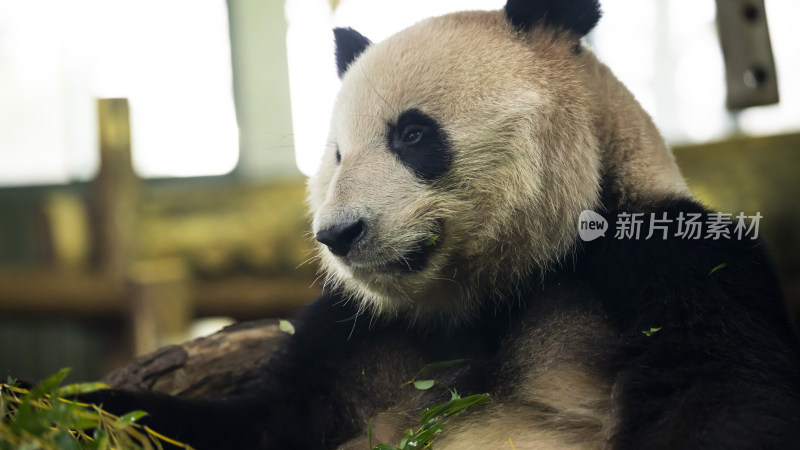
(402, 257)
(376, 91)
(317, 279)
(307, 260)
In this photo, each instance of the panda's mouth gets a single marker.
(416, 259)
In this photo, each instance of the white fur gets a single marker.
(532, 126)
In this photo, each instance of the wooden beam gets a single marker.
(93, 295)
(52, 291)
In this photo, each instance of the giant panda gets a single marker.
(462, 153)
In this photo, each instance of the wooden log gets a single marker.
(227, 362)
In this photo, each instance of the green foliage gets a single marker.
(42, 419)
(651, 331)
(432, 422)
(718, 267)
(433, 419)
(432, 240)
(286, 326)
(426, 384)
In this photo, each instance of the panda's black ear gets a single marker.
(578, 16)
(349, 44)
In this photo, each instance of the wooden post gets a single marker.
(161, 303)
(157, 292)
(749, 66)
(115, 191)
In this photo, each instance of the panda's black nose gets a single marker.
(340, 238)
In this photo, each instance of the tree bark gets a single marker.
(227, 362)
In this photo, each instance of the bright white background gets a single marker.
(172, 59)
(665, 51)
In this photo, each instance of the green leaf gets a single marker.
(61, 413)
(87, 422)
(424, 385)
(432, 240)
(424, 436)
(384, 447)
(651, 331)
(27, 419)
(720, 266)
(101, 439)
(415, 444)
(437, 366)
(461, 404)
(63, 440)
(369, 431)
(130, 418)
(79, 388)
(49, 385)
(286, 326)
(452, 407)
(434, 411)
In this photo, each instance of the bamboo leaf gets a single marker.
(462, 404)
(718, 267)
(424, 385)
(438, 366)
(286, 326)
(651, 331)
(63, 440)
(384, 447)
(49, 385)
(369, 431)
(434, 411)
(72, 390)
(130, 418)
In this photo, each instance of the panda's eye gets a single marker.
(420, 143)
(412, 134)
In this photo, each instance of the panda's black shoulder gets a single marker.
(700, 321)
(679, 280)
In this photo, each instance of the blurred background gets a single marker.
(153, 154)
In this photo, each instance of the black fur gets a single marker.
(349, 44)
(429, 156)
(577, 16)
(722, 371)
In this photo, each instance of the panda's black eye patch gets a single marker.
(421, 144)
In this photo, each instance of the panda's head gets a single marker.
(461, 153)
